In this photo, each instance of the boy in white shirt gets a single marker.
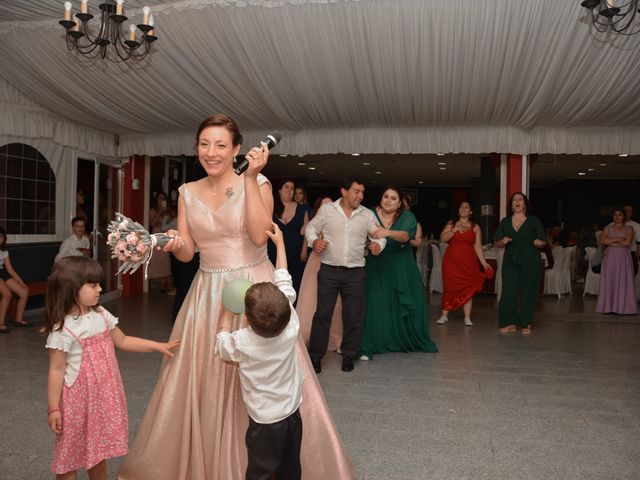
(270, 376)
(78, 243)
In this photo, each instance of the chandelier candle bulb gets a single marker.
(67, 10)
(84, 7)
(145, 17)
(150, 21)
(132, 33)
(119, 7)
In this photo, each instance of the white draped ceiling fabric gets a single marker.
(375, 76)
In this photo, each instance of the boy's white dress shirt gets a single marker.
(270, 376)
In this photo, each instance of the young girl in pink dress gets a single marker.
(87, 407)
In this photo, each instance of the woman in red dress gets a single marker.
(461, 274)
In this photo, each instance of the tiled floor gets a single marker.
(562, 404)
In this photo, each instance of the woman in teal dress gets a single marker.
(397, 318)
(522, 237)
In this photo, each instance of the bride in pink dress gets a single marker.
(195, 423)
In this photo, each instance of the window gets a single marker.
(27, 191)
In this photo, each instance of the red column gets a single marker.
(514, 174)
(133, 207)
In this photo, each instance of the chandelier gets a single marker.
(109, 42)
(619, 15)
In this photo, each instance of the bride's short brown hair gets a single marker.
(221, 120)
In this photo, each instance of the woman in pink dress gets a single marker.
(617, 290)
(308, 297)
(196, 420)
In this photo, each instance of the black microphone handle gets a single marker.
(271, 141)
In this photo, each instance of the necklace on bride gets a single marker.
(229, 192)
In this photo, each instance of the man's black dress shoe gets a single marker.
(347, 364)
(317, 367)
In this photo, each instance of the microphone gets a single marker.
(270, 140)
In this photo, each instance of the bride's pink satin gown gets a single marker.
(196, 421)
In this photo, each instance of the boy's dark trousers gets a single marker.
(274, 448)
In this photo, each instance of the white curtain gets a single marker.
(412, 76)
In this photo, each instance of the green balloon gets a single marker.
(233, 294)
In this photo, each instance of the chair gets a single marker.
(568, 273)
(592, 280)
(435, 280)
(555, 279)
(422, 259)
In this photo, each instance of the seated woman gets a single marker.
(461, 274)
(397, 318)
(291, 218)
(617, 287)
(10, 283)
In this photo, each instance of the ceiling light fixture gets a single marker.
(602, 164)
(312, 168)
(442, 163)
(581, 173)
(443, 168)
(302, 164)
(355, 154)
(378, 173)
(623, 155)
(618, 15)
(440, 154)
(366, 164)
(81, 38)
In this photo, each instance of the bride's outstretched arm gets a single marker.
(258, 197)
(181, 244)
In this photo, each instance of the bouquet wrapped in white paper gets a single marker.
(132, 244)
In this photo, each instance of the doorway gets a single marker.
(101, 183)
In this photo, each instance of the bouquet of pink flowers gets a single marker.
(132, 244)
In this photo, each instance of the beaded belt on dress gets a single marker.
(233, 269)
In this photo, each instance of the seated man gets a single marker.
(76, 244)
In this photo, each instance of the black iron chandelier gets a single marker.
(109, 42)
(621, 16)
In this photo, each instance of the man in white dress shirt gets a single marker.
(339, 233)
(77, 244)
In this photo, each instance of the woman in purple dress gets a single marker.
(617, 292)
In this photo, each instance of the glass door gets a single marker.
(99, 187)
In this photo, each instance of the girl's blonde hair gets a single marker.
(68, 276)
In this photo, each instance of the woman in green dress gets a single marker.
(397, 318)
(522, 237)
